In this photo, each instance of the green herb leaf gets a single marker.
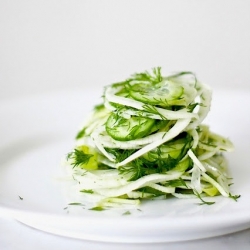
(75, 204)
(88, 191)
(97, 208)
(80, 134)
(154, 77)
(126, 213)
(203, 202)
(79, 157)
(234, 197)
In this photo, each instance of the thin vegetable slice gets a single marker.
(147, 140)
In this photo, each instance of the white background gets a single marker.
(51, 45)
(54, 44)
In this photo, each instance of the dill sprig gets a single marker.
(154, 77)
(203, 202)
(151, 109)
(234, 197)
(78, 157)
(155, 161)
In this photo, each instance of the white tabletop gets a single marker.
(17, 236)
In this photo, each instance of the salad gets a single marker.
(147, 141)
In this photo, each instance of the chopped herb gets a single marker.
(79, 157)
(75, 204)
(234, 197)
(126, 213)
(147, 140)
(88, 191)
(97, 208)
(81, 133)
(203, 202)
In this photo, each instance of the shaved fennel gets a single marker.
(147, 140)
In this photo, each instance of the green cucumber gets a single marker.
(166, 93)
(175, 149)
(122, 129)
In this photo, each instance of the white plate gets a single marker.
(37, 132)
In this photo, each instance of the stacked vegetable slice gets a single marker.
(146, 140)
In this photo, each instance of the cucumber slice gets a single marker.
(122, 129)
(175, 149)
(163, 94)
(166, 93)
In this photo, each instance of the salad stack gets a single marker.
(146, 141)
